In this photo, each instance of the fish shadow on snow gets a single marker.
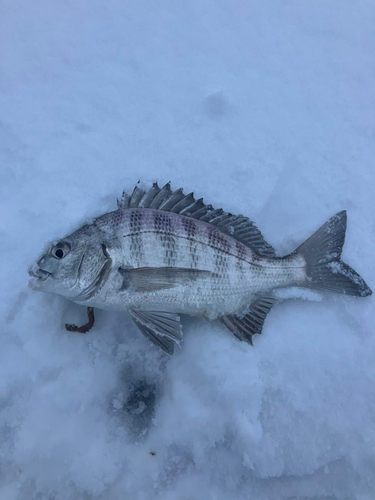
(134, 402)
(140, 367)
(141, 376)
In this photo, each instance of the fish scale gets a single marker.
(163, 253)
(217, 253)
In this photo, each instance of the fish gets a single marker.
(162, 253)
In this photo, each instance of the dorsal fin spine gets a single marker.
(237, 226)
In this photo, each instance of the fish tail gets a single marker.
(324, 268)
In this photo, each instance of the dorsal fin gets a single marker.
(237, 226)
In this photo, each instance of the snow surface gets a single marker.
(265, 108)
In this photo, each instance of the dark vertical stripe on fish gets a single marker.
(218, 241)
(240, 251)
(163, 228)
(136, 242)
(190, 227)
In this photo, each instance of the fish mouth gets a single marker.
(38, 273)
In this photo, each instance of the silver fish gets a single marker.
(163, 253)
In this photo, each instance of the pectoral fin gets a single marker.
(244, 327)
(151, 279)
(162, 328)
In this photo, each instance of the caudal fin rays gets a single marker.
(324, 268)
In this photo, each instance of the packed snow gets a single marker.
(264, 108)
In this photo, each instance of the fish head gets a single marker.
(75, 267)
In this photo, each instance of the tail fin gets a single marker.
(324, 268)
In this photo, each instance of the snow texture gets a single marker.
(265, 108)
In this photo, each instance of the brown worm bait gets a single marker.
(84, 328)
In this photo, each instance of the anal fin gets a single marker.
(244, 327)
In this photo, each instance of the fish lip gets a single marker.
(40, 274)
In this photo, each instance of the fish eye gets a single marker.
(60, 250)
